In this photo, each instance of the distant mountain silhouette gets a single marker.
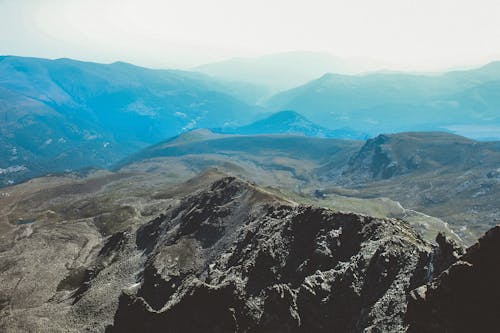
(282, 71)
(291, 122)
(395, 102)
(66, 114)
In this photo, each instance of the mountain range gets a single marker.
(291, 122)
(64, 114)
(281, 71)
(127, 252)
(389, 102)
(140, 200)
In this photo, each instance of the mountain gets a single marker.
(283, 161)
(124, 252)
(65, 114)
(305, 169)
(160, 244)
(441, 174)
(290, 122)
(250, 266)
(463, 298)
(273, 226)
(252, 146)
(436, 181)
(450, 181)
(388, 156)
(394, 102)
(285, 70)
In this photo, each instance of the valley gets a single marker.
(141, 200)
(65, 115)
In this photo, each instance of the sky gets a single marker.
(420, 35)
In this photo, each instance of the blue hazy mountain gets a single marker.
(393, 102)
(291, 122)
(286, 70)
(66, 114)
(63, 114)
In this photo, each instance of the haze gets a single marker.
(402, 34)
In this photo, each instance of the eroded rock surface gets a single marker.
(233, 257)
(225, 262)
(465, 297)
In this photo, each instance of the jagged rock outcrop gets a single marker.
(236, 259)
(233, 257)
(374, 160)
(446, 253)
(463, 298)
(391, 155)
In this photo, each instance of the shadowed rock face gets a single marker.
(390, 156)
(465, 297)
(232, 257)
(223, 261)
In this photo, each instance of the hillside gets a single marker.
(440, 174)
(396, 102)
(387, 156)
(444, 182)
(282, 71)
(284, 161)
(463, 298)
(65, 114)
(91, 256)
(119, 252)
(252, 146)
(290, 122)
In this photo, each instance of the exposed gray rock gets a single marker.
(463, 298)
(225, 262)
(229, 257)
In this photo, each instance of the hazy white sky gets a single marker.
(413, 35)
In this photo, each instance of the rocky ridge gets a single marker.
(463, 298)
(233, 257)
(277, 267)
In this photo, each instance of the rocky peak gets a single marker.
(388, 156)
(231, 259)
(463, 298)
(374, 160)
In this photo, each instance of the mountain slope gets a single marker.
(440, 174)
(282, 161)
(284, 70)
(444, 182)
(393, 155)
(395, 102)
(309, 170)
(64, 114)
(118, 252)
(270, 268)
(219, 238)
(250, 146)
(290, 122)
(463, 298)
